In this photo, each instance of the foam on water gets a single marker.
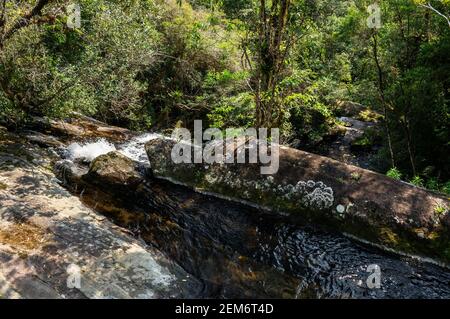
(89, 151)
(135, 149)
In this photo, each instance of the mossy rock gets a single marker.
(368, 115)
(309, 187)
(114, 169)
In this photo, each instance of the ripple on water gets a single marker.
(211, 232)
(337, 267)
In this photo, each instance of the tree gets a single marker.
(9, 28)
(50, 69)
(272, 41)
(12, 21)
(384, 103)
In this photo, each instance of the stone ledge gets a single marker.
(324, 191)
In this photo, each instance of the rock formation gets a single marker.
(324, 191)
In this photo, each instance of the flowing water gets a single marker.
(238, 251)
(134, 149)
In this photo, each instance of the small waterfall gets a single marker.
(89, 151)
(135, 148)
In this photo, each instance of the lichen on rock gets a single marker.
(115, 169)
(319, 189)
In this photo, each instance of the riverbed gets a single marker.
(237, 251)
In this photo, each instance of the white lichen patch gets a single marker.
(313, 194)
(210, 178)
(309, 194)
(340, 209)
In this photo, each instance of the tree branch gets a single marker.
(25, 20)
(429, 6)
(2, 15)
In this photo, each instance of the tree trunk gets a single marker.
(409, 144)
(272, 32)
(383, 98)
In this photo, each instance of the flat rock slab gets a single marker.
(52, 246)
(80, 127)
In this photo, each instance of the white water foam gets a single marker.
(135, 148)
(89, 151)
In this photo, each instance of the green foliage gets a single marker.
(154, 63)
(136, 64)
(417, 180)
(368, 115)
(413, 45)
(440, 210)
(197, 66)
(215, 80)
(236, 111)
(52, 70)
(446, 188)
(310, 120)
(307, 117)
(394, 173)
(432, 184)
(355, 176)
(363, 141)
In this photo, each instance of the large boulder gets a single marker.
(357, 111)
(324, 191)
(114, 169)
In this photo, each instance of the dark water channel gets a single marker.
(238, 251)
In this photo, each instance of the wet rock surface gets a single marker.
(42, 139)
(47, 236)
(114, 169)
(323, 191)
(171, 241)
(236, 251)
(357, 144)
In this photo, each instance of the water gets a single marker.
(275, 259)
(134, 149)
(89, 151)
(237, 251)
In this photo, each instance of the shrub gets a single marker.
(417, 180)
(52, 70)
(446, 188)
(394, 173)
(236, 111)
(432, 184)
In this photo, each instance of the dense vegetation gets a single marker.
(293, 64)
